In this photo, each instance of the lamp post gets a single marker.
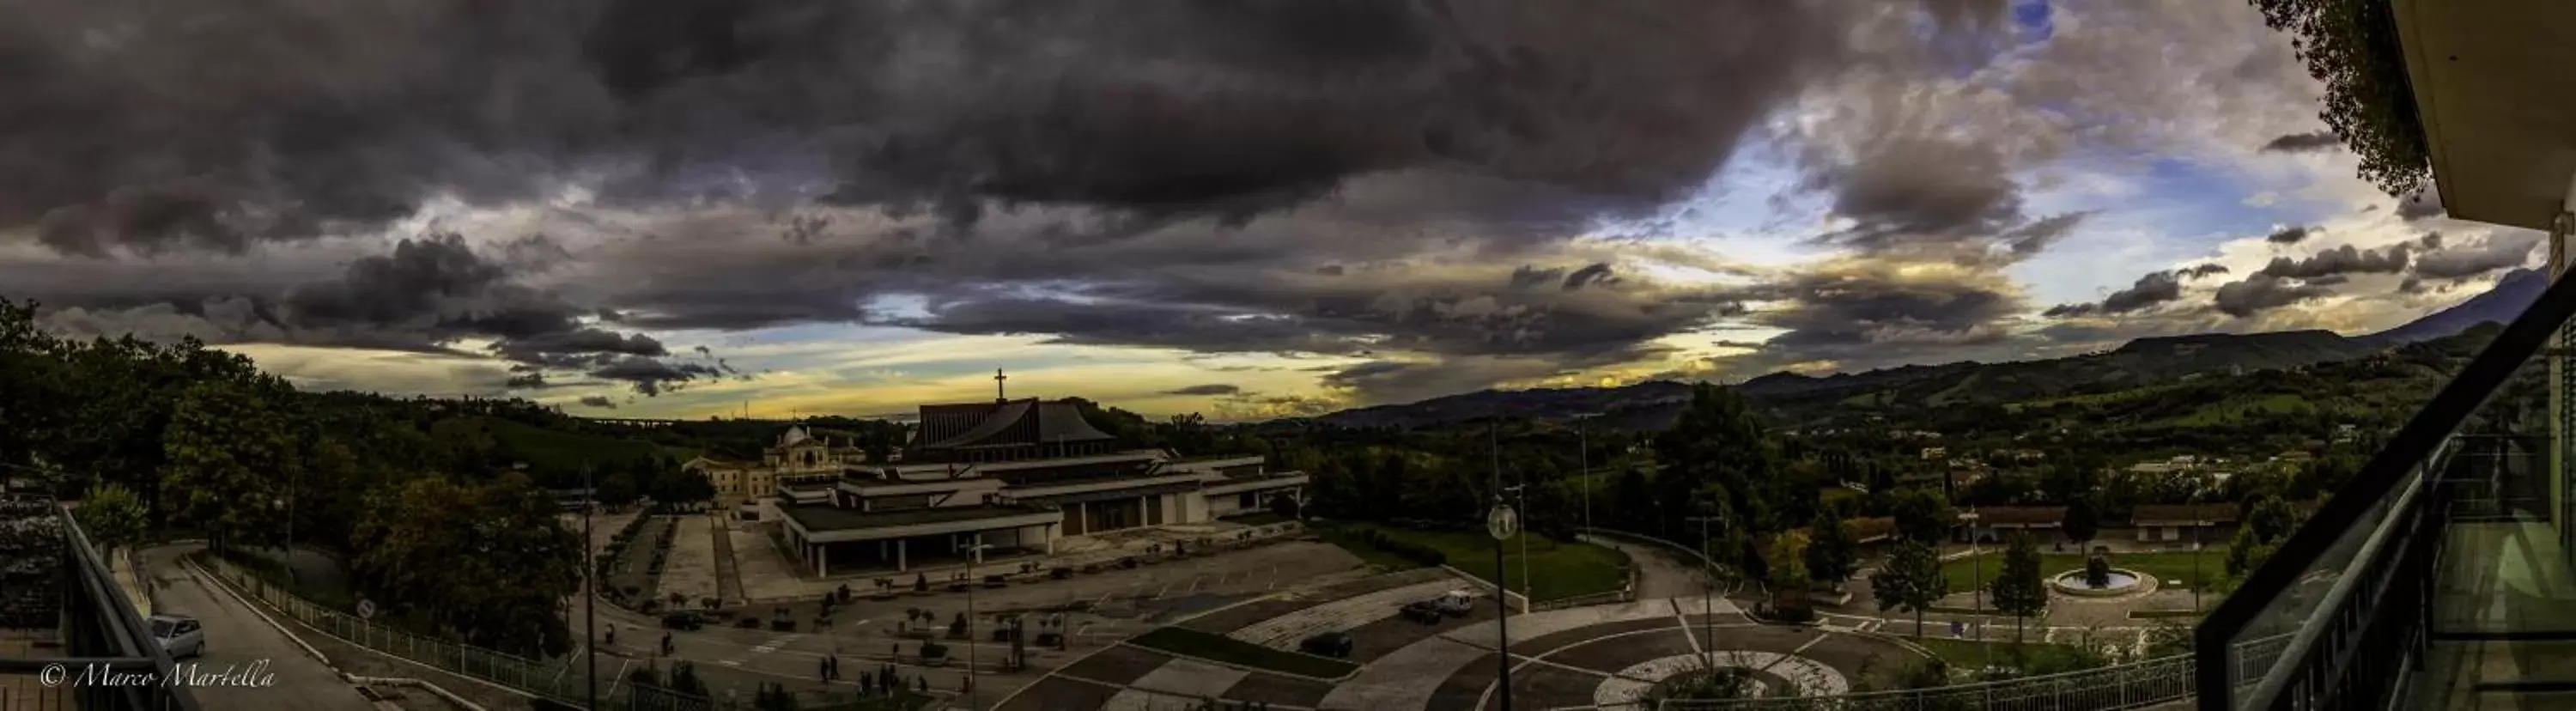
(1707, 601)
(589, 596)
(1583, 460)
(1503, 523)
(974, 551)
(1977, 578)
(1520, 502)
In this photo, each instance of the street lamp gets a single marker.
(1521, 502)
(589, 594)
(1707, 601)
(1503, 523)
(974, 552)
(1977, 579)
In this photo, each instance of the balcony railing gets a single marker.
(2353, 590)
(95, 627)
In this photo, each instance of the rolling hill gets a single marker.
(2510, 296)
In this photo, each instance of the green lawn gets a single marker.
(2164, 566)
(2030, 657)
(1558, 570)
(1217, 647)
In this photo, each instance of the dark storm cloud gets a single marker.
(598, 401)
(1208, 389)
(312, 118)
(1595, 273)
(652, 377)
(2303, 142)
(1876, 305)
(2341, 260)
(2263, 292)
(2289, 235)
(423, 296)
(2202, 271)
(2502, 249)
(2154, 288)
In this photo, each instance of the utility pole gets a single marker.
(1520, 501)
(1503, 524)
(1707, 601)
(589, 590)
(1583, 459)
(974, 552)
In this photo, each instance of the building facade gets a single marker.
(798, 458)
(1014, 476)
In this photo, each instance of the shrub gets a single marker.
(1060, 573)
(957, 627)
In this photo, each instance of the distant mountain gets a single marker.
(1647, 405)
(2501, 304)
(1791, 397)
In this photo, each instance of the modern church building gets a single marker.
(1017, 475)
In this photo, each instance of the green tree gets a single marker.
(1911, 580)
(2017, 588)
(617, 488)
(2083, 519)
(1789, 575)
(229, 450)
(1923, 515)
(2352, 46)
(1832, 550)
(1718, 440)
(432, 549)
(112, 516)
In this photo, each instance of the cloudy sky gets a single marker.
(1244, 209)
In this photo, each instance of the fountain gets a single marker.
(2098, 578)
(2115, 582)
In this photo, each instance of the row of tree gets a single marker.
(185, 438)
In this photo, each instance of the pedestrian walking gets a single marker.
(666, 644)
(922, 683)
(867, 681)
(836, 666)
(824, 669)
(612, 635)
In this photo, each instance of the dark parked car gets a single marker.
(1330, 644)
(683, 621)
(1425, 612)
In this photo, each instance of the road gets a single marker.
(237, 637)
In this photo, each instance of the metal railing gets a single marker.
(2353, 586)
(563, 680)
(2123, 686)
(98, 629)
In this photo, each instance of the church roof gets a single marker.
(1006, 423)
(794, 435)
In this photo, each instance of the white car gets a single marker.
(179, 635)
(1457, 603)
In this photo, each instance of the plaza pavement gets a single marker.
(691, 569)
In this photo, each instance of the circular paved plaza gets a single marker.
(1610, 657)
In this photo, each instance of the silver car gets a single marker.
(180, 635)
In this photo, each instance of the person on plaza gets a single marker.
(867, 681)
(922, 683)
(836, 666)
(666, 644)
(612, 635)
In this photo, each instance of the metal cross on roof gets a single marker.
(998, 377)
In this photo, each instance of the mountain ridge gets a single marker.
(2143, 361)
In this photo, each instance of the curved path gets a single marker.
(241, 636)
(1661, 572)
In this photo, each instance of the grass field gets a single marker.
(1217, 647)
(2166, 567)
(1558, 570)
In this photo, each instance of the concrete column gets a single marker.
(1050, 538)
(822, 560)
(979, 555)
(899, 564)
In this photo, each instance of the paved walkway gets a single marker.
(728, 573)
(1661, 572)
(691, 571)
(1285, 631)
(238, 637)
